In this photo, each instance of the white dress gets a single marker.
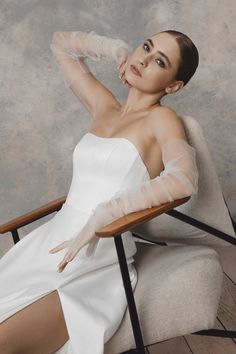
(90, 289)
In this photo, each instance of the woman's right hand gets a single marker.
(122, 60)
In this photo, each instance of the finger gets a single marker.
(121, 76)
(121, 67)
(67, 258)
(121, 73)
(61, 266)
(70, 256)
(61, 246)
(57, 248)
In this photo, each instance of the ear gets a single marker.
(174, 87)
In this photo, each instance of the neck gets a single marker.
(137, 101)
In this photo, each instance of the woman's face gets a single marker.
(156, 70)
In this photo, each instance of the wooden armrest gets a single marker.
(33, 215)
(125, 223)
(113, 229)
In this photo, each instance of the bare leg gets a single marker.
(38, 328)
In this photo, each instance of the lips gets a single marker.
(135, 70)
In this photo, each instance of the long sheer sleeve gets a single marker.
(79, 46)
(179, 179)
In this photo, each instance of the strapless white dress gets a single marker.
(90, 289)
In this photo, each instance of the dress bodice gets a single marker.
(103, 167)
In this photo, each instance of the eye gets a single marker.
(145, 45)
(162, 63)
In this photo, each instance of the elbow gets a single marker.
(189, 184)
(195, 181)
(192, 188)
(188, 192)
(193, 191)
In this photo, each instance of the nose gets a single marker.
(143, 61)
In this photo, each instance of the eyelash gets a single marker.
(158, 59)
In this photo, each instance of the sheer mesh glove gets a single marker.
(179, 179)
(79, 46)
(86, 235)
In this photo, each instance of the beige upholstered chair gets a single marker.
(179, 285)
(180, 274)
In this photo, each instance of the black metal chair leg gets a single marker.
(129, 295)
(15, 236)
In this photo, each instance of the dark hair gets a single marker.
(188, 53)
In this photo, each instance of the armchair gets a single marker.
(173, 281)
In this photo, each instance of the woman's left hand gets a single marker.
(85, 236)
(101, 216)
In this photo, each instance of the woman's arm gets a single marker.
(71, 49)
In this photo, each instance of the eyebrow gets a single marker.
(161, 53)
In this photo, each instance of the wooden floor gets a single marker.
(226, 317)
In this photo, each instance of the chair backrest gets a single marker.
(207, 205)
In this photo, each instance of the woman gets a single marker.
(135, 156)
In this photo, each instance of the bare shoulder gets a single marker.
(165, 124)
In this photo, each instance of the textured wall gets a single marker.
(42, 121)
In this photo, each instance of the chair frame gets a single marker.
(115, 229)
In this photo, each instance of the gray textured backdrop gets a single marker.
(42, 120)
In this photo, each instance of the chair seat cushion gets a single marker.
(177, 293)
